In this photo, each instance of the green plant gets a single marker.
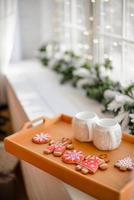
(97, 82)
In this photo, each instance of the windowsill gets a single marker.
(34, 83)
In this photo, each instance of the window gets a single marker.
(100, 29)
(117, 33)
(72, 27)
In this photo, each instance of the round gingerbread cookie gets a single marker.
(73, 157)
(41, 138)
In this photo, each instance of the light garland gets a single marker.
(76, 37)
(74, 25)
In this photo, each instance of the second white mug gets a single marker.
(107, 134)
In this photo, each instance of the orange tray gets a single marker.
(111, 184)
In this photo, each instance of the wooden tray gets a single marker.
(111, 184)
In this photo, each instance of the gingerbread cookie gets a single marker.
(58, 147)
(125, 164)
(91, 164)
(104, 157)
(41, 138)
(73, 157)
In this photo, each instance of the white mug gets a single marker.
(107, 134)
(83, 124)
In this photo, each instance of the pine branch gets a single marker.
(130, 91)
(94, 89)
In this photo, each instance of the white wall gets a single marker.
(34, 26)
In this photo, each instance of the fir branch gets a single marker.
(96, 88)
(108, 64)
(130, 90)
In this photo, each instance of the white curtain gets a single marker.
(8, 12)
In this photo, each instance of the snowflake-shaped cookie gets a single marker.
(41, 138)
(73, 157)
(125, 164)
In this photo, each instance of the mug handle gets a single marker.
(34, 123)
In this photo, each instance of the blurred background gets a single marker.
(95, 31)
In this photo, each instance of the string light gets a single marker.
(115, 44)
(110, 57)
(86, 33)
(95, 41)
(86, 47)
(63, 47)
(79, 25)
(82, 32)
(132, 14)
(89, 57)
(91, 18)
(108, 27)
